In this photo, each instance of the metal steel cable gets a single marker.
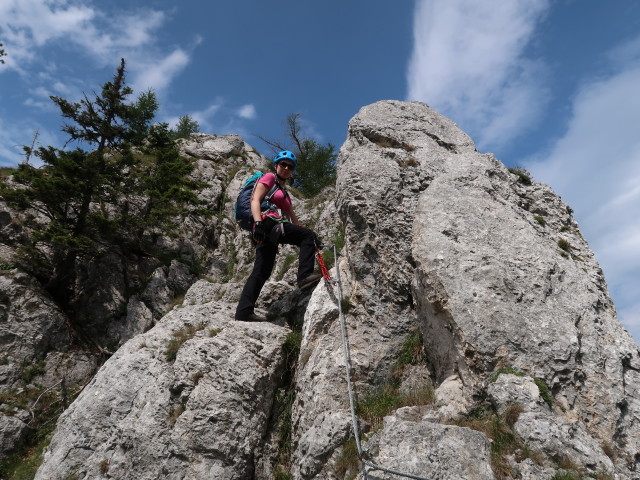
(347, 360)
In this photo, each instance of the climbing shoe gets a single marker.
(253, 318)
(310, 281)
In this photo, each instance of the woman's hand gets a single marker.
(259, 234)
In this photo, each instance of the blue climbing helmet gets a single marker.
(285, 154)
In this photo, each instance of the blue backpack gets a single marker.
(242, 212)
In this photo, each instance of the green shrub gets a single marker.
(524, 176)
(412, 350)
(345, 304)
(540, 220)
(564, 245)
(378, 404)
(29, 372)
(544, 391)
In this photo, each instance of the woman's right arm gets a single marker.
(256, 199)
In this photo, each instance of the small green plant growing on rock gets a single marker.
(345, 304)
(33, 370)
(540, 220)
(506, 370)
(386, 398)
(564, 245)
(544, 391)
(179, 338)
(524, 176)
(348, 463)
(504, 441)
(412, 351)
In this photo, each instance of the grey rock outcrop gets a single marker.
(199, 415)
(520, 340)
(494, 273)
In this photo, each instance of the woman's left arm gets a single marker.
(293, 218)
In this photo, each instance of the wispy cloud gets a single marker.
(595, 166)
(468, 63)
(247, 112)
(159, 73)
(29, 27)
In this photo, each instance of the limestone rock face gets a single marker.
(199, 415)
(496, 276)
(470, 298)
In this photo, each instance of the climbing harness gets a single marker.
(347, 362)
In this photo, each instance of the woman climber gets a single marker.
(274, 222)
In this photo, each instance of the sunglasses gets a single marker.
(287, 166)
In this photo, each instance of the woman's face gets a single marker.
(284, 168)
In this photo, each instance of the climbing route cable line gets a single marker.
(347, 361)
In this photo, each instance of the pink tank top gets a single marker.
(282, 201)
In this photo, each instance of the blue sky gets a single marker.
(550, 85)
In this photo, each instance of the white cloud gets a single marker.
(157, 74)
(247, 111)
(27, 26)
(595, 166)
(468, 63)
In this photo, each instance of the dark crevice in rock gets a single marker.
(449, 146)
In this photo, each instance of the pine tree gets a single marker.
(185, 127)
(84, 203)
(316, 164)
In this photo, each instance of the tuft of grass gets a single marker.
(540, 220)
(104, 466)
(345, 304)
(177, 302)
(5, 265)
(348, 462)
(524, 176)
(506, 370)
(214, 331)
(231, 266)
(564, 245)
(504, 441)
(284, 400)
(196, 377)
(544, 391)
(512, 413)
(29, 372)
(291, 347)
(179, 338)
(412, 350)
(24, 466)
(407, 162)
(378, 404)
(281, 474)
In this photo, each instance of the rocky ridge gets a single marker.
(517, 367)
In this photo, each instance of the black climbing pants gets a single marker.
(266, 257)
